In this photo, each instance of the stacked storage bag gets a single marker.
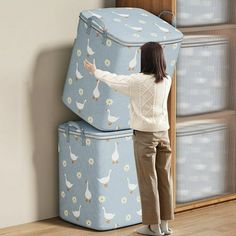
(98, 184)
(202, 160)
(97, 176)
(112, 36)
(202, 75)
(202, 12)
(202, 87)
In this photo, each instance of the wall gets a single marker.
(35, 45)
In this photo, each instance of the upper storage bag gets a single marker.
(112, 36)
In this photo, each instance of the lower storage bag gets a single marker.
(202, 162)
(98, 186)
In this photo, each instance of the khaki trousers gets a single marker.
(153, 163)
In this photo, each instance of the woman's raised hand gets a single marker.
(90, 67)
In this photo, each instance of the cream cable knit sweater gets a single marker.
(148, 100)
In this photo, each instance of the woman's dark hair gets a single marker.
(153, 61)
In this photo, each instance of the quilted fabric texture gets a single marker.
(201, 170)
(202, 12)
(202, 75)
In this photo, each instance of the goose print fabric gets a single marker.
(113, 38)
(98, 186)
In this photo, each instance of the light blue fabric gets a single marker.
(119, 53)
(95, 159)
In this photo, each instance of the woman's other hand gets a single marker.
(90, 67)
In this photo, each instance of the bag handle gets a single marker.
(73, 124)
(98, 21)
(100, 24)
(173, 21)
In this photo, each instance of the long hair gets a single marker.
(153, 60)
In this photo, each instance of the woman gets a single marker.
(148, 92)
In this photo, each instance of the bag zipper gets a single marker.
(84, 19)
(62, 130)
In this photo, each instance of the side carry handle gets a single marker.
(100, 24)
(72, 124)
(173, 22)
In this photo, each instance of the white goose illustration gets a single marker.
(90, 51)
(80, 106)
(111, 119)
(73, 157)
(88, 195)
(95, 14)
(136, 28)
(144, 14)
(78, 74)
(115, 155)
(133, 62)
(108, 216)
(121, 14)
(69, 185)
(76, 214)
(96, 93)
(162, 28)
(139, 212)
(117, 127)
(131, 187)
(105, 180)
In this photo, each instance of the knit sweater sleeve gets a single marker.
(120, 83)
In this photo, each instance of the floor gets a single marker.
(217, 220)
